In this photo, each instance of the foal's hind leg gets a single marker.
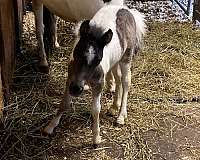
(126, 81)
(118, 91)
(38, 11)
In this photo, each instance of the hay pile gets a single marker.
(163, 107)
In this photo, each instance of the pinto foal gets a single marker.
(107, 42)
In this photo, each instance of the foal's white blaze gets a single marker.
(90, 55)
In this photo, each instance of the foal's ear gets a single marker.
(106, 38)
(85, 26)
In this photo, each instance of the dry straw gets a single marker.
(165, 84)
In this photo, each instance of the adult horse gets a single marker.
(69, 10)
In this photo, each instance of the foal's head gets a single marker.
(87, 55)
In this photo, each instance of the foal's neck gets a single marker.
(112, 54)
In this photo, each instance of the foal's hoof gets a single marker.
(96, 141)
(111, 112)
(120, 121)
(57, 45)
(86, 87)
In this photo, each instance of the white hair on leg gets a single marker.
(96, 107)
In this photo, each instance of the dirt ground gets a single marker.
(163, 104)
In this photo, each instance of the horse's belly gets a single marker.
(73, 10)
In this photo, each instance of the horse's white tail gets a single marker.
(140, 26)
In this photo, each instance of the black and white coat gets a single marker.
(107, 42)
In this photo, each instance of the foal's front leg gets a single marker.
(65, 105)
(38, 11)
(96, 107)
(110, 81)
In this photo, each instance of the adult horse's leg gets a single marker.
(96, 107)
(38, 11)
(50, 31)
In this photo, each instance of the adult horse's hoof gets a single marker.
(43, 133)
(43, 69)
(40, 66)
(47, 131)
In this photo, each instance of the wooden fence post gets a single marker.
(10, 17)
(8, 43)
(1, 96)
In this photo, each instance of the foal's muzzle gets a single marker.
(75, 89)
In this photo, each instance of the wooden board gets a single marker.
(11, 13)
(1, 85)
(8, 39)
(1, 96)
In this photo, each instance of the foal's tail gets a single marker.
(140, 26)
